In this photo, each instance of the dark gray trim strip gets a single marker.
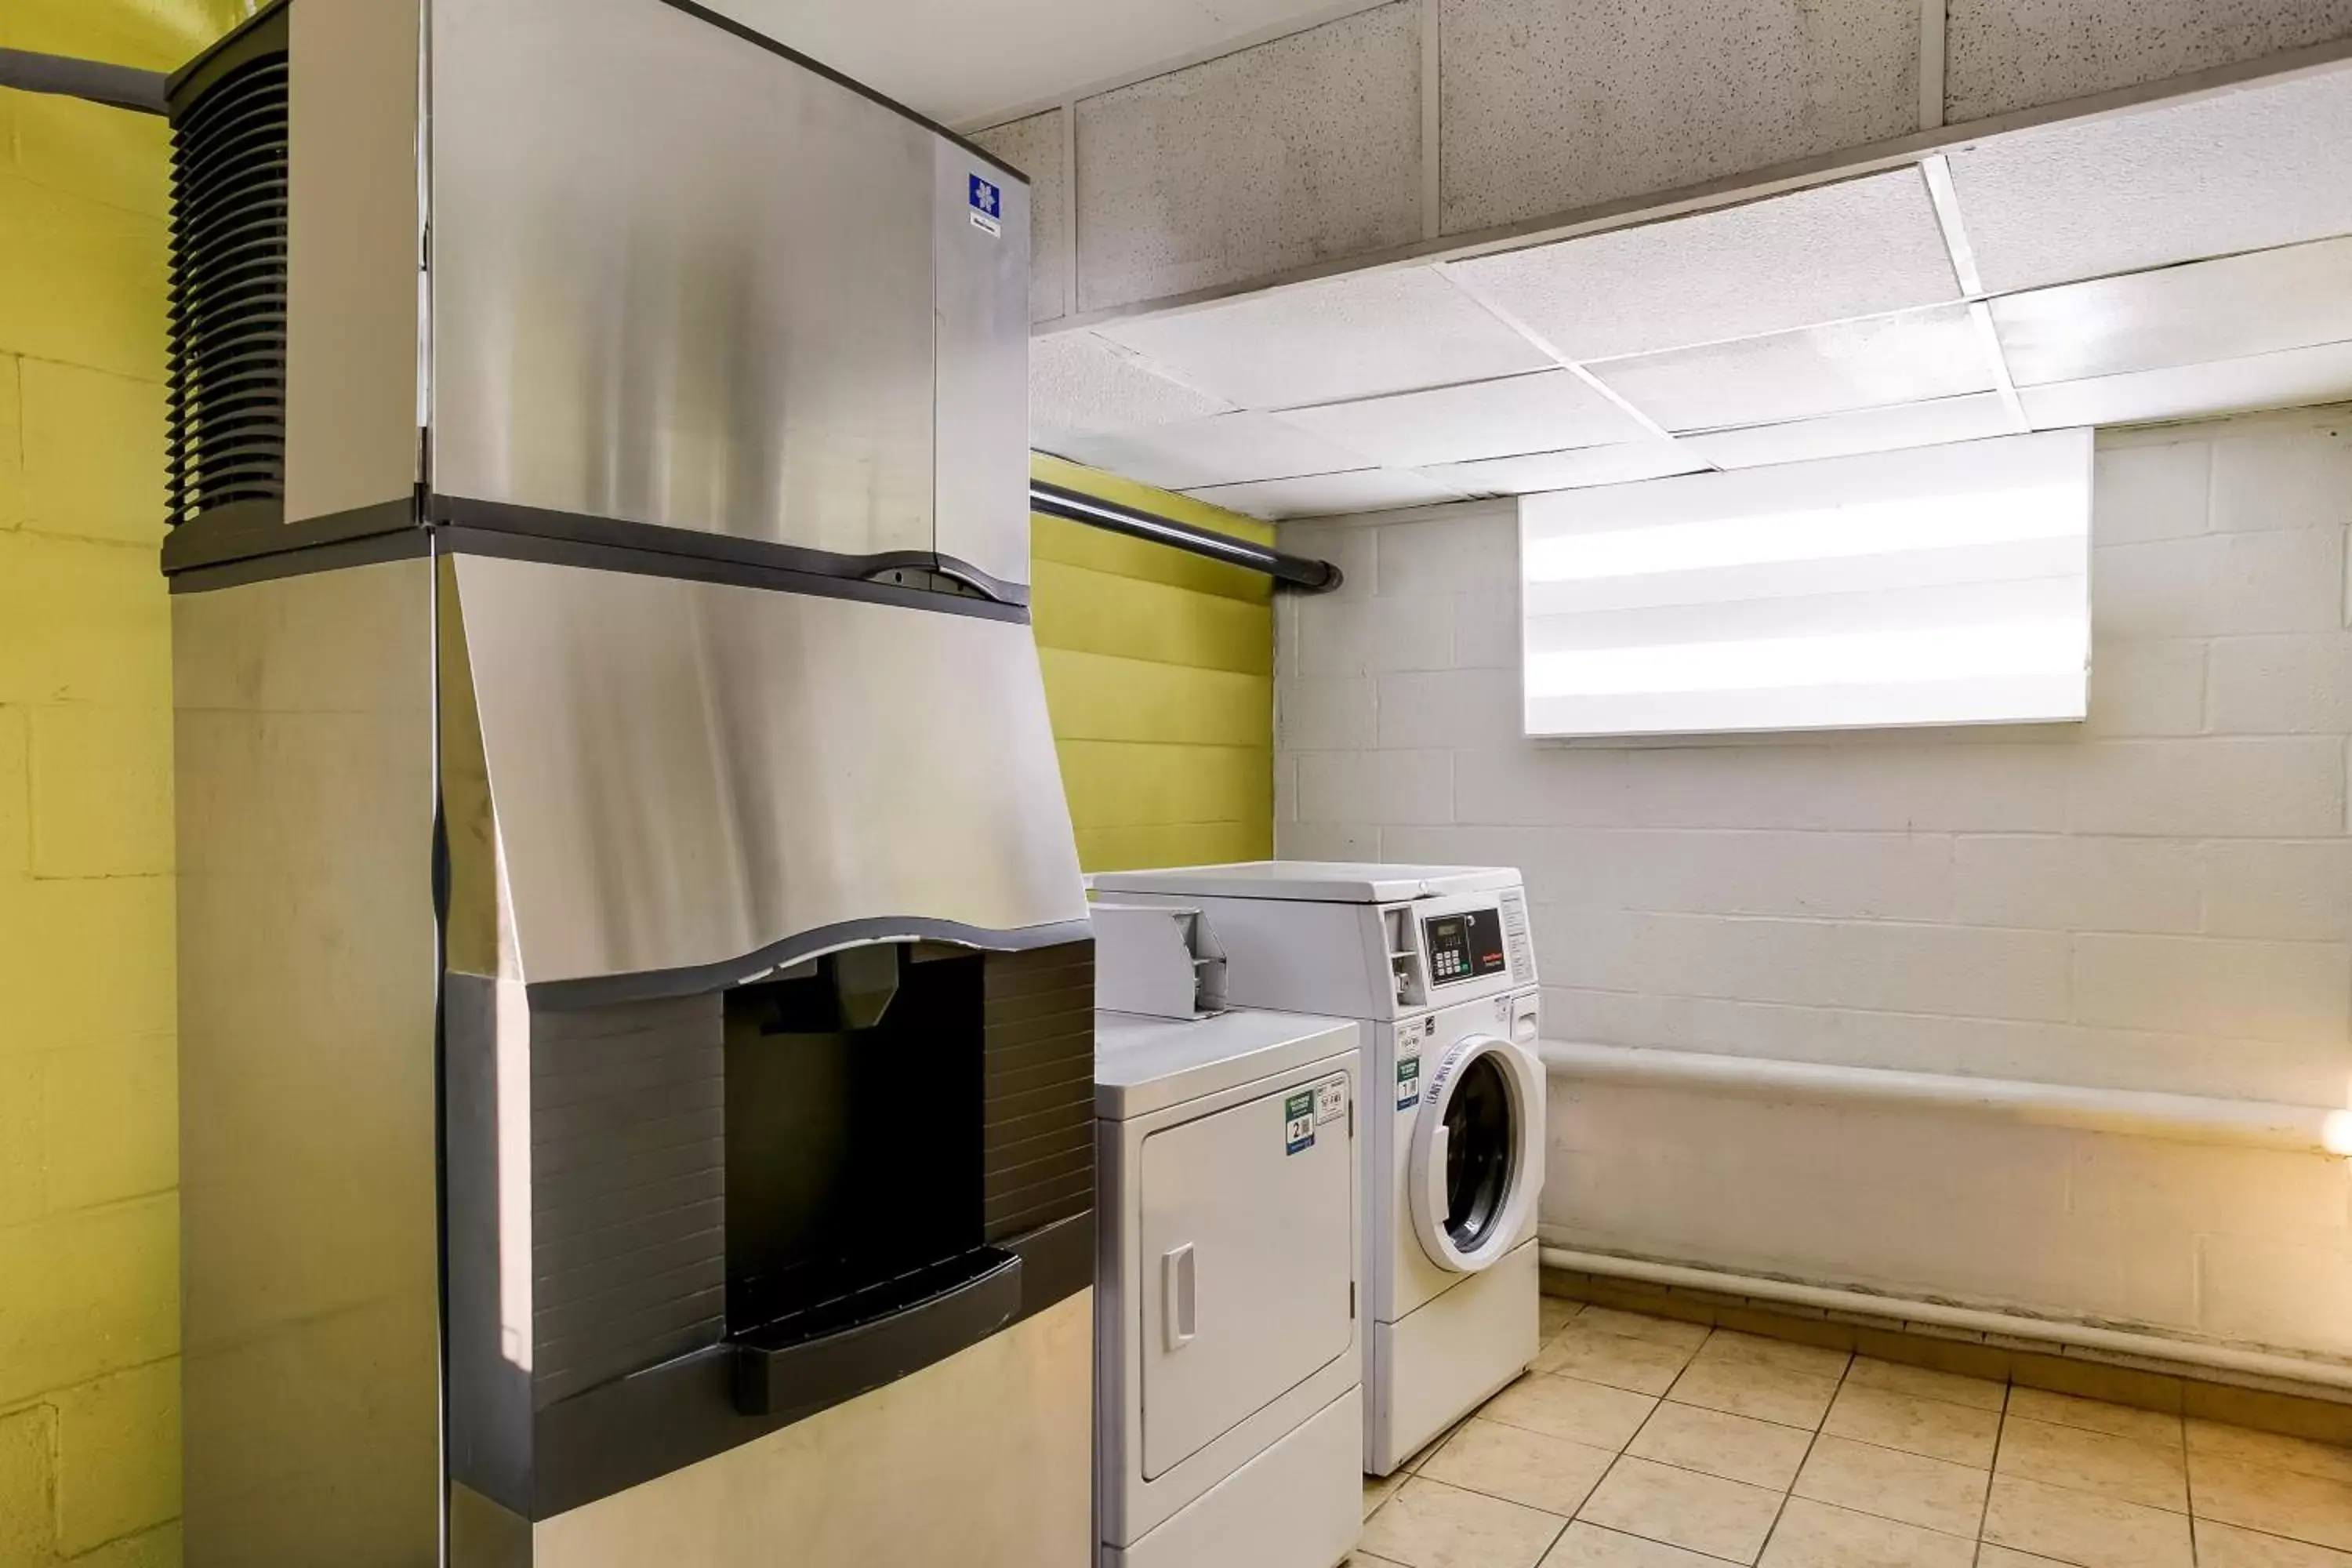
(704, 569)
(606, 990)
(254, 531)
(249, 537)
(400, 544)
(542, 522)
(1072, 506)
(117, 87)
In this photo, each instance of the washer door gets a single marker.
(1468, 1173)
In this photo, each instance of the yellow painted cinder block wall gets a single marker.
(1160, 675)
(89, 1136)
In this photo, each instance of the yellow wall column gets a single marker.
(89, 1461)
(1160, 675)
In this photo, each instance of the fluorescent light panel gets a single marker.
(1935, 585)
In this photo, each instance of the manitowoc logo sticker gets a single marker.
(987, 206)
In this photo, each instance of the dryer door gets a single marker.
(1248, 1233)
(1472, 1174)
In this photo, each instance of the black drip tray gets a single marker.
(840, 1349)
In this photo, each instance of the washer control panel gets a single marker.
(1457, 949)
(1467, 946)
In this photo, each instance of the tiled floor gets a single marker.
(1642, 1443)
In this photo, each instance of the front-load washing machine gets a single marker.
(1438, 962)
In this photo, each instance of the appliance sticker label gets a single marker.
(1331, 1100)
(1299, 1122)
(1408, 1085)
(987, 206)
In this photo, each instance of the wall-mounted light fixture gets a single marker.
(1937, 586)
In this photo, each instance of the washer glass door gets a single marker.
(1469, 1164)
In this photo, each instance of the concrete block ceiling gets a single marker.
(2185, 256)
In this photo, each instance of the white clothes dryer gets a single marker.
(1227, 1293)
(1438, 962)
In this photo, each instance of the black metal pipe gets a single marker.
(1307, 575)
(117, 87)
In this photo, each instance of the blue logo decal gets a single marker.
(986, 199)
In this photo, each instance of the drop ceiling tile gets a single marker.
(2266, 165)
(1539, 471)
(1538, 412)
(1081, 386)
(1861, 248)
(1327, 495)
(2282, 380)
(1930, 424)
(1356, 336)
(1221, 449)
(2230, 308)
(1902, 358)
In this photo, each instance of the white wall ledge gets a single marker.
(2182, 1117)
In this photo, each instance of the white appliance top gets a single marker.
(1143, 1064)
(1318, 881)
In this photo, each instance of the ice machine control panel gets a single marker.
(1466, 945)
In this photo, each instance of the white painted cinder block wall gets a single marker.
(2159, 899)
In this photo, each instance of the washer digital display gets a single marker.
(1467, 946)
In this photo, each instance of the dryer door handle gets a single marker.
(1179, 1297)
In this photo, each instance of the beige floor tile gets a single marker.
(1635, 1326)
(1767, 1392)
(2227, 1546)
(2152, 1474)
(2095, 1416)
(1960, 1434)
(1737, 1448)
(1925, 1382)
(2301, 1455)
(1377, 1489)
(1519, 1465)
(1565, 1407)
(2082, 1528)
(1428, 1450)
(1755, 1350)
(1643, 1365)
(2272, 1501)
(1553, 1313)
(1815, 1535)
(1590, 1546)
(1895, 1485)
(1429, 1524)
(1991, 1556)
(1684, 1509)
(1366, 1560)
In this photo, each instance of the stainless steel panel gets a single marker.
(352, 256)
(982, 302)
(676, 279)
(686, 773)
(981, 1460)
(304, 727)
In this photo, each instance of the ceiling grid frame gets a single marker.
(1544, 346)
(1927, 153)
(1936, 170)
